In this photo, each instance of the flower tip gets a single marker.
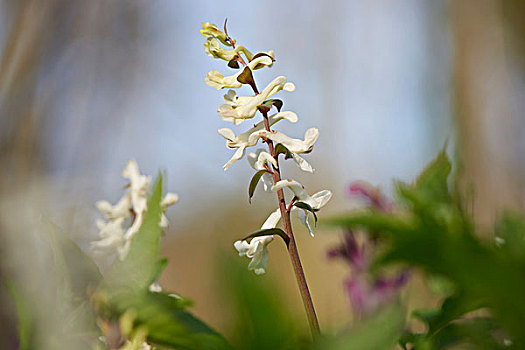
(289, 87)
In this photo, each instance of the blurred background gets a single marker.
(86, 85)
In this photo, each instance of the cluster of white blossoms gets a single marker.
(236, 109)
(123, 220)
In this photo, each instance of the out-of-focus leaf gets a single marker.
(433, 233)
(380, 331)
(452, 308)
(168, 323)
(253, 183)
(432, 182)
(261, 317)
(373, 220)
(75, 270)
(161, 265)
(511, 230)
(477, 332)
(25, 319)
(267, 232)
(140, 268)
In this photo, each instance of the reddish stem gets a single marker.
(287, 225)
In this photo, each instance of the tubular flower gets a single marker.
(257, 161)
(214, 50)
(210, 30)
(113, 236)
(251, 137)
(257, 249)
(316, 201)
(217, 81)
(236, 109)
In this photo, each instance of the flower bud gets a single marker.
(214, 50)
(210, 30)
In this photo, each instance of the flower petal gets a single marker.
(304, 216)
(236, 109)
(272, 220)
(302, 163)
(236, 156)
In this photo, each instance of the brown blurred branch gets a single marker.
(485, 116)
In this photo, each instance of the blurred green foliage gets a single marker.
(482, 282)
(433, 232)
(121, 298)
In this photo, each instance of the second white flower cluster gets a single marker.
(123, 220)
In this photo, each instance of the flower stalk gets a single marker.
(287, 225)
(238, 108)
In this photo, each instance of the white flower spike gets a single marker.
(236, 109)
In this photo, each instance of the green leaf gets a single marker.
(161, 265)
(267, 232)
(280, 148)
(432, 182)
(246, 77)
(476, 331)
(307, 206)
(452, 308)
(253, 183)
(141, 266)
(511, 229)
(372, 220)
(380, 331)
(234, 64)
(168, 323)
(25, 318)
(75, 270)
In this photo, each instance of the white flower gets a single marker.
(138, 186)
(168, 200)
(236, 109)
(155, 288)
(250, 137)
(121, 209)
(217, 81)
(257, 161)
(113, 236)
(211, 30)
(294, 145)
(257, 249)
(316, 201)
(213, 49)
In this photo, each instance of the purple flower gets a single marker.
(366, 291)
(373, 194)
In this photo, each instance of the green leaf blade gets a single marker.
(141, 266)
